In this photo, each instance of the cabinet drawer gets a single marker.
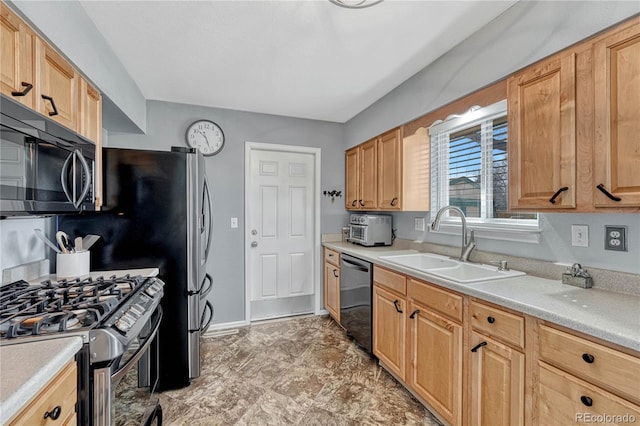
(565, 399)
(391, 280)
(598, 364)
(502, 325)
(440, 300)
(60, 392)
(332, 256)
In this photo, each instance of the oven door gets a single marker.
(117, 397)
(358, 234)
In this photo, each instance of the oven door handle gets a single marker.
(354, 265)
(118, 375)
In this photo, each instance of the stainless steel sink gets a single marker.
(452, 270)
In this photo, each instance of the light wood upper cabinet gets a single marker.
(390, 170)
(389, 329)
(497, 383)
(16, 58)
(368, 193)
(542, 135)
(617, 118)
(352, 178)
(57, 84)
(435, 370)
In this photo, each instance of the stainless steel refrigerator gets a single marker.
(157, 213)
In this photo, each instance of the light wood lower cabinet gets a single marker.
(435, 369)
(332, 283)
(57, 399)
(389, 329)
(497, 383)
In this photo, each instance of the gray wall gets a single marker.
(166, 124)
(526, 32)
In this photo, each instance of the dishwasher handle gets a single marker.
(353, 265)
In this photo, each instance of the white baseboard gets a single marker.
(215, 328)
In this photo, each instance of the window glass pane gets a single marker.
(464, 170)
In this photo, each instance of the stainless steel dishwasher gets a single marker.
(356, 277)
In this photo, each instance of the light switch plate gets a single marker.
(580, 235)
(234, 222)
(615, 237)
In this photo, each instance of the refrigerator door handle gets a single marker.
(205, 290)
(205, 326)
(206, 194)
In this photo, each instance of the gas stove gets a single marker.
(117, 317)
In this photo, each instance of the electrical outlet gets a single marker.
(234, 222)
(580, 235)
(419, 224)
(615, 237)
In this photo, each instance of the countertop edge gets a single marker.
(477, 291)
(17, 400)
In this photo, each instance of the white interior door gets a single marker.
(280, 233)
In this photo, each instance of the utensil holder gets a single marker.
(72, 265)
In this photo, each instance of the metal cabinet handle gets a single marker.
(53, 414)
(478, 346)
(394, 201)
(586, 400)
(588, 358)
(361, 203)
(335, 273)
(27, 89)
(607, 193)
(413, 314)
(395, 303)
(552, 200)
(353, 204)
(53, 105)
(491, 320)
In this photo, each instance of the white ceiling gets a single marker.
(308, 59)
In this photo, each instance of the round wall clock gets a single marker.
(206, 136)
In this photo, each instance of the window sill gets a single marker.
(522, 234)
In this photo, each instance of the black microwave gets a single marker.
(44, 167)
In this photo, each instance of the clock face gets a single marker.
(206, 136)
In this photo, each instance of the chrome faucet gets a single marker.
(468, 241)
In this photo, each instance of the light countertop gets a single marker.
(611, 316)
(25, 369)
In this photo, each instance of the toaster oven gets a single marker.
(371, 229)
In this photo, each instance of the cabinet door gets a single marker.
(390, 170)
(58, 80)
(332, 290)
(352, 178)
(497, 383)
(389, 334)
(435, 372)
(16, 57)
(617, 118)
(368, 187)
(542, 135)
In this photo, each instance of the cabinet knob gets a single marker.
(491, 320)
(53, 414)
(586, 401)
(588, 358)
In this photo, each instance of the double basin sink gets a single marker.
(449, 269)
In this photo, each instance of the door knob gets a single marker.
(254, 244)
(254, 232)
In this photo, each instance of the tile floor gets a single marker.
(301, 371)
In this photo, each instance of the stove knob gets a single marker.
(122, 325)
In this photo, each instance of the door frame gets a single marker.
(316, 152)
